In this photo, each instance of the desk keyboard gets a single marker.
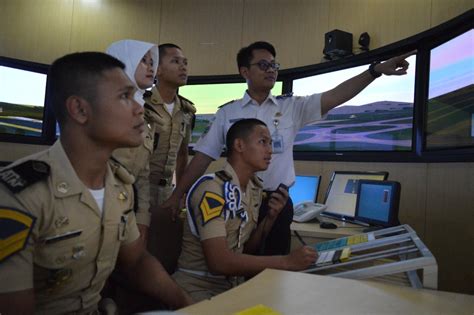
(342, 242)
(334, 256)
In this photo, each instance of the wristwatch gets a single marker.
(372, 71)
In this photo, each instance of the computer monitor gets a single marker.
(305, 188)
(341, 195)
(377, 202)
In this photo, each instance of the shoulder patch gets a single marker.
(283, 96)
(15, 229)
(225, 104)
(211, 206)
(226, 177)
(20, 176)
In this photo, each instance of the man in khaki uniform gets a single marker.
(174, 116)
(66, 213)
(221, 226)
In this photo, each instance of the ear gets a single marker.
(244, 72)
(239, 145)
(78, 109)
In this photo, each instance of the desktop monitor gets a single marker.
(305, 188)
(377, 202)
(341, 195)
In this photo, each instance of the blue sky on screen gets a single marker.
(386, 88)
(22, 87)
(452, 65)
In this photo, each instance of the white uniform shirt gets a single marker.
(291, 114)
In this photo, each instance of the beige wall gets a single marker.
(211, 31)
(437, 199)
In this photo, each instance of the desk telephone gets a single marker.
(306, 211)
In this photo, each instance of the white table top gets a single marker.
(298, 294)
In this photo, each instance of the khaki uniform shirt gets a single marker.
(55, 238)
(137, 162)
(171, 132)
(210, 222)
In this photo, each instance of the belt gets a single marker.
(203, 273)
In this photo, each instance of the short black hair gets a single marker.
(245, 54)
(162, 49)
(241, 129)
(77, 74)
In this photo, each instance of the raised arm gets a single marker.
(350, 88)
(193, 171)
(146, 272)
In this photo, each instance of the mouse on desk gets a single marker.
(327, 225)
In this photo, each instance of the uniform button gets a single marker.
(63, 187)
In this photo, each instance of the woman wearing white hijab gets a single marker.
(141, 62)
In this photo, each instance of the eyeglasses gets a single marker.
(265, 65)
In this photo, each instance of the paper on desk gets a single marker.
(259, 309)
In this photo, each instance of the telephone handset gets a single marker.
(306, 211)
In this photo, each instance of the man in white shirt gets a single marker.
(284, 116)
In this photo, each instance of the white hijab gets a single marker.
(131, 52)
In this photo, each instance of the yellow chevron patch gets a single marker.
(211, 206)
(15, 229)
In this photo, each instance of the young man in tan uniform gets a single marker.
(66, 213)
(174, 116)
(221, 233)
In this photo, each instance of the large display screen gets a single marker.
(208, 98)
(380, 118)
(450, 114)
(22, 98)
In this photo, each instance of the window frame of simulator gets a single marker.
(26, 117)
(419, 151)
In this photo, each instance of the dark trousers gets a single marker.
(278, 240)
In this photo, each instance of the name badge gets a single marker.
(61, 237)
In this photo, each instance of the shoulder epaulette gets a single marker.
(20, 176)
(283, 96)
(257, 181)
(185, 99)
(224, 176)
(152, 96)
(225, 104)
(121, 171)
